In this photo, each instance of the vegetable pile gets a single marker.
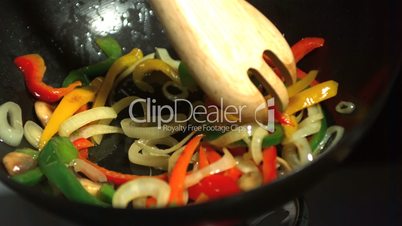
(197, 165)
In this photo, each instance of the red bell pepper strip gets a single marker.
(151, 202)
(83, 153)
(34, 68)
(281, 118)
(214, 186)
(82, 143)
(212, 155)
(305, 46)
(238, 151)
(120, 178)
(269, 171)
(179, 172)
(233, 173)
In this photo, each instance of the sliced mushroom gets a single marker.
(16, 163)
(43, 111)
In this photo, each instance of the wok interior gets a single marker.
(63, 32)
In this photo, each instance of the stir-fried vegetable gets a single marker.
(11, 122)
(200, 161)
(53, 161)
(33, 67)
(111, 48)
(66, 108)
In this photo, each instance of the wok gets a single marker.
(362, 53)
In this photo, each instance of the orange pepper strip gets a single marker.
(179, 172)
(269, 164)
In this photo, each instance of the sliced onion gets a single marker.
(32, 133)
(142, 187)
(304, 150)
(226, 162)
(246, 165)
(163, 54)
(242, 132)
(88, 170)
(310, 125)
(303, 84)
(284, 164)
(337, 130)
(345, 107)
(297, 153)
(81, 119)
(256, 144)
(182, 95)
(134, 155)
(117, 107)
(11, 130)
(290, 155)
(249, 181)
(136, 130)
(299, 116)
(156, 150)
(93, 130)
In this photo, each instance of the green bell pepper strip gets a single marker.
(317, 138)
(273, 139)
(186, 78)
(106, 193)
(52, 160)
(29, 151)
(29, 178)
(112, 50)
(109, 46)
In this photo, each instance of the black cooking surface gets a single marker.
(365, 190)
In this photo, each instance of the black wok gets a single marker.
(362, 53)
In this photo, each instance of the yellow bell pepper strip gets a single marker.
(302, 84)
(33, 67)
(179, 171)
(66, 108)
(312, 96)
(118, 67)
(150, 65)
(301, 75)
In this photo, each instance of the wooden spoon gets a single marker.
(222, 42)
